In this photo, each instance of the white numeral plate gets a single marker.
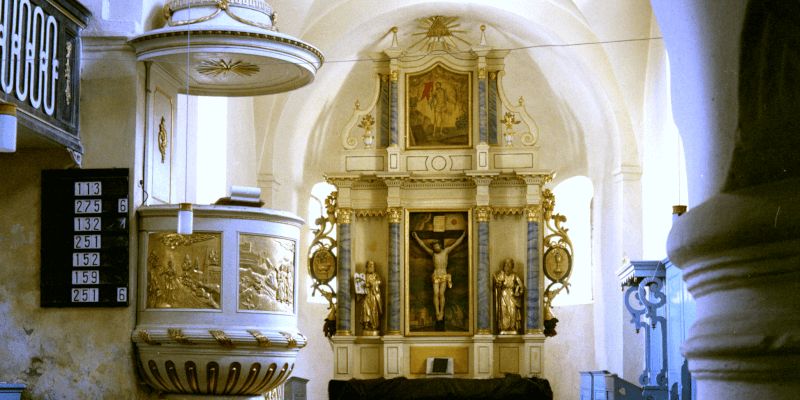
(85, 259)
(122, 205)
(88, 188)
(122, 294)
(86, 242)
(91, 277)
(85, 295)
(83, 224)
(88, 206)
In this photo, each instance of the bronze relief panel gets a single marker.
(266, 274)
(184, 271)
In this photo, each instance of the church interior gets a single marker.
(298, 194)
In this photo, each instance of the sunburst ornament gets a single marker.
(222, 67)
(439, 29)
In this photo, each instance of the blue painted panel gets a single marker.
(681, 316)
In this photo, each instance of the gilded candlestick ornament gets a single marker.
(367, 122)
(509, 121)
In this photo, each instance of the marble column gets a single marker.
(385, 106)
(343, 313)
(533, 323)
(395, 115)
(482, 112)
(482, 214)
(393, 324)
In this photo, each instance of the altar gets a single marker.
(446, 244)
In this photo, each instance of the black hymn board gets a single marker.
(85, 242)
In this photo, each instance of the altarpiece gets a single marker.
(441, 203)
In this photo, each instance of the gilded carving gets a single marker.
(262, 340)
(506, 211)
(509, 120)
(222, 338)
(557, 259)
(438, 29)
(185, 272)
(534, 212)
(221, 5)
(367, 122)
(482, 73)
(344, 215)
(266, 273)
(221, 67)
(482, 213)
(68, 74)
(395, 75)
(178, 335)
(368, 291)
(163, 140)
(508, 291)
(395, 214)
(291, 342)
(147, 339)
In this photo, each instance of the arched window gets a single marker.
(573, 200)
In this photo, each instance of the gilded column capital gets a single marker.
(534, 212)
(395, 75)
(395, 214)
(482, 213)
(344, 215)
(482, 73)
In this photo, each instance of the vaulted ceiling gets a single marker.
(579, 65)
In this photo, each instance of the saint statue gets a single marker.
(441, 279)
(508, 299)
(371, 305)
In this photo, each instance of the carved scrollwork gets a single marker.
(530, 137)
(350, 142)
(557, 258)
(648, 295)
(322, 260)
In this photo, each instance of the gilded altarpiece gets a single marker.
(450, 209)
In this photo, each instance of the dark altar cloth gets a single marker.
(511, 387)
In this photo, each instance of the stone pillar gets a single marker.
(393, 323)
(343, 314)
(736, 77)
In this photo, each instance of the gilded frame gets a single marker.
(420, 319)
(439, 109)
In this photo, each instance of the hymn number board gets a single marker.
(85, 242)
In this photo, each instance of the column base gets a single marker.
(739, 253)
